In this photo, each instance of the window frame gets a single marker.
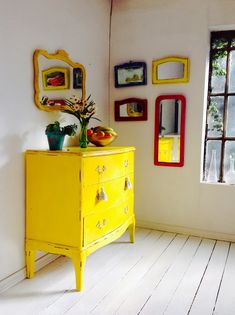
(230, 36)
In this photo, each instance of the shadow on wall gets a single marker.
(12, 218)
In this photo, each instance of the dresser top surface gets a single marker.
(85, 152)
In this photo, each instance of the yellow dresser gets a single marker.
(77, 201)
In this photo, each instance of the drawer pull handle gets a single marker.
(128, 184)
(99, 226)
(101, 195)
(98, 169)
(126, 209)
(126, 163)
(101, 170)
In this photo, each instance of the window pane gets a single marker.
(233, 42)
(230, 129)
(232, 72)
(219, 60)
(219, 43)
(212, 145)
(215, 116)
(228, 153)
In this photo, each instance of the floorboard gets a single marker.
(162, 273)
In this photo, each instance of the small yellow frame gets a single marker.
(183, 79)
(51, 71)
(58, 55)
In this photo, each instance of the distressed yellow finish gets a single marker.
(77, 201)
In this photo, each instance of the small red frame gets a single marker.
(140, 109)
(182, 129)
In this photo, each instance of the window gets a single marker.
(219, 151)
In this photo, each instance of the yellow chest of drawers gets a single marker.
(77, 201)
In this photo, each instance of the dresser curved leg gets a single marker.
(30, 260)
(79, 261)
(131, 230)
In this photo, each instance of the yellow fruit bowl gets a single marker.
(102, 138)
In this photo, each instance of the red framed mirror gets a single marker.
(169, 130)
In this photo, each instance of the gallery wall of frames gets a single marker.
(170, 109)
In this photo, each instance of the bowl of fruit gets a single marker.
(101, 136)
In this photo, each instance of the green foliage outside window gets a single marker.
(217, 57)
(216, 117)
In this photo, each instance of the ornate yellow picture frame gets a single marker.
(55, 80)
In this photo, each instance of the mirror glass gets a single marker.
(170, 70)
(169, 130)
(131, 109)
(56, 78)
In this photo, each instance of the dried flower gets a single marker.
(84, 110)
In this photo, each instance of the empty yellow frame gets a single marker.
(170, 70)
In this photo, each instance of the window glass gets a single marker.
(229, 152)
(230, 126)
(210, 147)
(232, 43)
(232, 72)
(219, 60)
(215, 116)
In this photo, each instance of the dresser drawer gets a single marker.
(106, 221)
(102, 168)
(104, 195)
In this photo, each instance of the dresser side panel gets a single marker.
(53, 202)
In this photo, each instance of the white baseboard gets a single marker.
(20, 275)
(184, 230)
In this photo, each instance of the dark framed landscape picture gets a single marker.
(130, 74)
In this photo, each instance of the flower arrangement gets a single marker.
(84, 110)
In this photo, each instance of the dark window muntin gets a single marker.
(229, 36)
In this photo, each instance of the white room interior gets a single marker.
(167, 198)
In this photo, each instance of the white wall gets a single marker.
(81, 27)
(147, 30)
(141, 30)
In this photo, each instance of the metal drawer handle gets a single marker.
(128, 184)
(126, 162)
(101, 195)
(99, 226)
(100, 169)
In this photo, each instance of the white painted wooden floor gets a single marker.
(162, 273)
